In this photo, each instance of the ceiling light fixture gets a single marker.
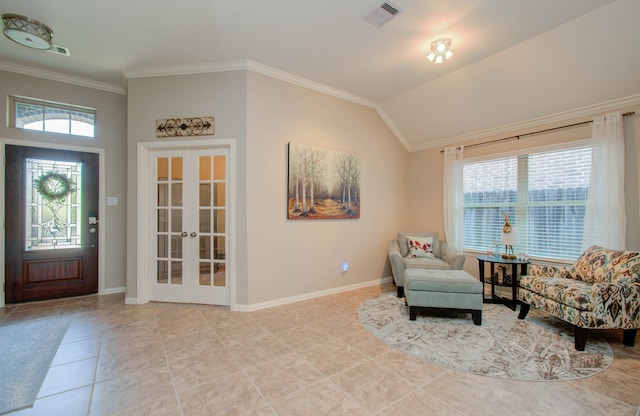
(440, 50)
(30, 33)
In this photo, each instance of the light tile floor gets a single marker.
(303, 359)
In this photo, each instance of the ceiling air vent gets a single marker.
(382, 14)
(61, 50)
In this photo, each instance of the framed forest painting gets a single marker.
(322, 183)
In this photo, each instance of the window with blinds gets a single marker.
(543, 193)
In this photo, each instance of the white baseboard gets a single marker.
(112, 290)
(131, 301)
(307, 296)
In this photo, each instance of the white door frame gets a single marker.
(144, 204)
(101, 202)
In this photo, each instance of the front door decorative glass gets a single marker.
(53, 219)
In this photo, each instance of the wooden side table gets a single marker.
(493, 279)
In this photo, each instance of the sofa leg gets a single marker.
(477, 317)
(629, 337)
(413, 313)
(581, 338)
(524, 310)
(400, 291)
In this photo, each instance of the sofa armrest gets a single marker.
(397, 265)
(456, 261)
(625, 295)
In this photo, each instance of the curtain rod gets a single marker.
(517, 137)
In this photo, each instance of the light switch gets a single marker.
(112, 201)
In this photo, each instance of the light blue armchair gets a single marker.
(401, 257)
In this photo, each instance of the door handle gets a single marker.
(184, 234)
(193, 234)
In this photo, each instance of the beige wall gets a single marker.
(110, 136)
(427, 174)
(222, 95)
(289, 258)
(278, 259)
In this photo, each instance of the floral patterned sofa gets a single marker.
(600, 291)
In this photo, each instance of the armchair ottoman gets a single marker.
(456, 290)
(600, 291)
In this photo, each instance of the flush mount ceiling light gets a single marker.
(30, 33)
(440, 50)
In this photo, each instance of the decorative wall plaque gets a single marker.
(194, 126)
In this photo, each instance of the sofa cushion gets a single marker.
(425, 263)
(404, 246)
(602, 265)
(574, 293)
(420, 246)
(450, 281)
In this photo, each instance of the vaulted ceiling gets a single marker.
(514, 61)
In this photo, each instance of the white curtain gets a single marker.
(453, 198)
(605, 219)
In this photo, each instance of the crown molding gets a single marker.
(582, 112)
(56, 76)
(190, 69)
(246, 65)
(306, 83)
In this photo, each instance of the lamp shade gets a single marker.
(509, 238)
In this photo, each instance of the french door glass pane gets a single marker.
(219, 195)
(220, 170)
(163, 195)
(205, 194)
(205, 274)
(163, 246)
(163, 271)
(163, 168)
(176, 194)
(163, 220)
(205, 247)
(176, 220)
(205, 168)
(220, 276)
(205, 221)
(218, 221)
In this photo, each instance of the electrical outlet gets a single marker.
(345, 267)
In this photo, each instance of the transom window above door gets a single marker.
(40, 115)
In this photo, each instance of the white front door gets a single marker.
(188, 225)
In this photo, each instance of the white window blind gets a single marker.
(543, 193)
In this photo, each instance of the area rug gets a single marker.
(538, 348)
(26, 352)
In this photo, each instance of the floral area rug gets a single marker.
(538, 348)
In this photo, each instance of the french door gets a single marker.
(189, 226)
(51, 231)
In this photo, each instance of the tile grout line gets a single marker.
(166, 358)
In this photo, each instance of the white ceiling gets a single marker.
(498, 76)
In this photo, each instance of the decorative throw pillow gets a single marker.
(420, 246)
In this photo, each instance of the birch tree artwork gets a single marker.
(323, 184)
